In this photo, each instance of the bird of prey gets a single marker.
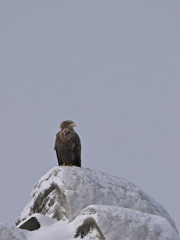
(68, 145)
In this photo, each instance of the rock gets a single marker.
(95, 205)
(31, 224)
(8, 232)
(105, 222)
(123, 224)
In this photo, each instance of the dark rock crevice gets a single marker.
(51, 197)
(88, 226)
(31, 224)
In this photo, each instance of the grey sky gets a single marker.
(110, 66)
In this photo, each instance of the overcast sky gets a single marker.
(110, 66)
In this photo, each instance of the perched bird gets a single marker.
(68, 145)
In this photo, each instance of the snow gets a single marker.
(121, 223)
(112, 223)
(8, 232)
(75, 203)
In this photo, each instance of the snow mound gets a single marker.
(63, 192)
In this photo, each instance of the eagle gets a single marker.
(68, 145)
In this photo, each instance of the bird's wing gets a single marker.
(78, 147)
(59, 158)
(56, 148)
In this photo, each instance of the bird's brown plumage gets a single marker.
(68, 145)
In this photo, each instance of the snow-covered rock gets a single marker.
(116, 223)
(84, 203)
(97, 222)
(8, 232)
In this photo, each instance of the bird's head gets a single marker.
(67, 124)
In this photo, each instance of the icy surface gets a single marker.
(77, 203)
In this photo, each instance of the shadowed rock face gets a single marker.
(51, 202)
(31, 224)
(88, 228)
(64, 192)
(51, 197)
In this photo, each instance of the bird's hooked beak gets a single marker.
(72, 124)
